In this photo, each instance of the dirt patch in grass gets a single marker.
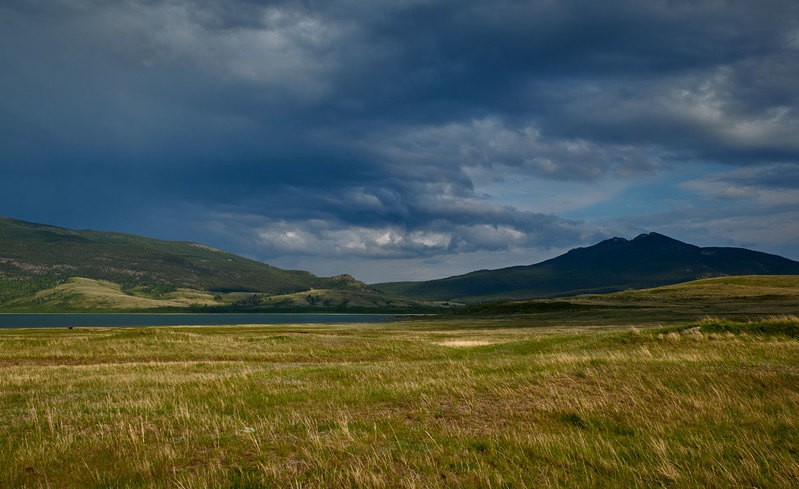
(467, 343)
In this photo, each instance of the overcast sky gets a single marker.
(404, 139)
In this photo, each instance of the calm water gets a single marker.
(118, 320)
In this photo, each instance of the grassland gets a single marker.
(490, 402)
(740, 297)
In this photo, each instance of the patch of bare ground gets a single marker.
(466, 343)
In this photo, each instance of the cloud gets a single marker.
(193, 78)
(387, 130)
(753, 206)
(763, 186)
(521, 149)
(499, 230)
(769, 229)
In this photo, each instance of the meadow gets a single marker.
(481, 402)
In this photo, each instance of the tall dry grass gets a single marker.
(388, 407)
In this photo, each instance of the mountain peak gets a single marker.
(642, 238)
(347, 281)
(652, 236)
(648, 260)
(610, 241)
(657, 239)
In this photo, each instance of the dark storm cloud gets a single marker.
(367, 128)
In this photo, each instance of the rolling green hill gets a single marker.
(612, 265)
(38, 252)
(52, 268)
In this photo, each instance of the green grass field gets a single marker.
(446, 403)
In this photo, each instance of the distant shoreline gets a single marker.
(111, 320)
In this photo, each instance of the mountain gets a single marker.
(616, 264)
(43, 266)
(48, 268)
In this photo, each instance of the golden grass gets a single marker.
(397, 406)
(736, 288)
(86, 293)
(465, 343)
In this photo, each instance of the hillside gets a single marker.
(736, 297)
(47, 268)
(616, 264)
(51, 268)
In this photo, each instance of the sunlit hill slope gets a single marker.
(51, 268)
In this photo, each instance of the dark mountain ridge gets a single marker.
(616, 264)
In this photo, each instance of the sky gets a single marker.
(404, 139)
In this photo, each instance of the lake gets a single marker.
(123, 320)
